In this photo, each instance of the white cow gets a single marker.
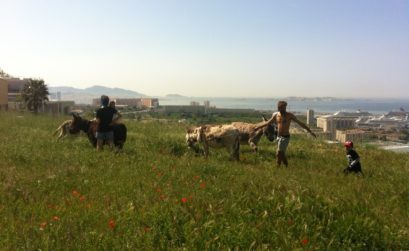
(216, 136)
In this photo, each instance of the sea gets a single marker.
(319, 105)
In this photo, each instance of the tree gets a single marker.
(3, 74)
(35, 94)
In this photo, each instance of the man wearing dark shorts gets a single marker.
(105, 119)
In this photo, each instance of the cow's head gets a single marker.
(270, 131)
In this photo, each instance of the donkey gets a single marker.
(90, 128)
(63, 130)
(249, 135)
(216, 136)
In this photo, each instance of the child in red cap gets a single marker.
(353, 159)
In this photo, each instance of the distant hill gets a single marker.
(175, 96)
(85, 96)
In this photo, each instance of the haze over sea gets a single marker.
(319, 105)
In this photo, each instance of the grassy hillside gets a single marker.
(158, 195)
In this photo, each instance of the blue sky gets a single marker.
(260, 48)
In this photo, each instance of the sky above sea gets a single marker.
(228, 48)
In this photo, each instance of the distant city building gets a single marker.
(3, 94)
(13, 92)
(54, 96)
(58, 107)
(150, 102)
(182, 109)
(194, 103)
(389, 120)
(131, 102)
(355, 135)
(310, 117)
(15, 86)
(339, 120)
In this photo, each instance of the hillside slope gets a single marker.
(157, 194)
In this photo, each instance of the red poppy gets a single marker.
(111, 224)
(75, 193)
(56, 218)
(43, 225)
(184, 200)
(304, 241)
(82, 198)
(202, 185)
(162, 197)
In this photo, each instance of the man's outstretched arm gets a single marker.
(304, 126)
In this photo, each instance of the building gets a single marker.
(129, 102)
(339, 120)
(150, 102)
(55, 96)
(310, 117)
(3, 94)
(355, 135)
(121, 102)
(15, 86)
(182, 109)
(58, 107)
(138, 103)
(391, 120)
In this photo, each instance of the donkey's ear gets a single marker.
(264, 118)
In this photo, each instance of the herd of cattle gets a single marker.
(218, 136)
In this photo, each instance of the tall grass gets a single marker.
(158, 195)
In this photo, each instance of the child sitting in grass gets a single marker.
(353, 159)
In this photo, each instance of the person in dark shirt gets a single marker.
(354, 164)
(105, 119)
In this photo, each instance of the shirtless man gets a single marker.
(283, 120)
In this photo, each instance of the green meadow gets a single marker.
(158, 195)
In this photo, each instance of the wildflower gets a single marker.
(111, 224)
(304, 241)
(202, 185)
(146, 229)
(196, 177)
(75, 193)
(162, 197)
(43, 225)
(56, 218)
(82, 198)
(184, 200)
